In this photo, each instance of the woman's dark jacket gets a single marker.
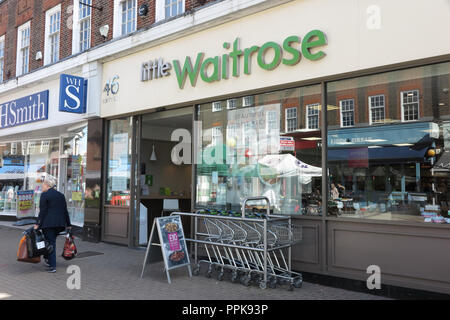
(53, 210)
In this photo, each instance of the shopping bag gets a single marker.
(70, 249)
(37, 245)
(22, 252)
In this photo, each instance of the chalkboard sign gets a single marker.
(172, 243)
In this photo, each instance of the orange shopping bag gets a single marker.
(22, 252)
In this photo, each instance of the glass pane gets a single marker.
(119, 162)
(242, 155)
(399, 168)
(74, 181)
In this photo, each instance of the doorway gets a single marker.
(163, 185)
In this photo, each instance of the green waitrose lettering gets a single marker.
(218, 68)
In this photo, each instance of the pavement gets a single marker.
(115, 275)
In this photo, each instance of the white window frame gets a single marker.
(48, 41)
(286, 118)
(216, 106)
(19, 57)
(2, 58)
(247, 101)
(376, 107)
(231, 104)
(134, 9)
(160, 9)
(216, 132)
(340, 112)
(402, 103)
(76, 27)
(314, 106)
(117, 18)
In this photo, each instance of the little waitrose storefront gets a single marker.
(202, 122)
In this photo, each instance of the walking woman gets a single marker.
(53, 218)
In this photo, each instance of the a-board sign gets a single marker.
(171, 242)
(25, 204)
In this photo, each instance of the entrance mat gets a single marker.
(86, 254)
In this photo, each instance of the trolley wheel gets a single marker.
(245, 280)
(208, 273)
(196, 271)
(273, 283)
(220, 276)
(262, 284)
(298, 282)
(291, 287)
(234, 276)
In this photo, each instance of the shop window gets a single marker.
(347, 112)
(23, 49)
(251, 161)
(52, 34)
(410, 105)
(312, 116)
(73, 174)
(24, 165)
(291, 119)
(2, 58)
(397, 170)
(376, 109)
(119, 162)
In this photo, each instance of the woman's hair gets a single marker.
(49, 182)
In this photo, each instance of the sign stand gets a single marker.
(172, 244)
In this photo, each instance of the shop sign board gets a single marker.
(226, 64)
(25, 204)
(24, 110)
(72, 94)
(172, 243)
(287, 144)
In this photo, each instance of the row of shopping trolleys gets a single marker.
(250, 250)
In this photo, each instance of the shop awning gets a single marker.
(376, 154)
(417, 134)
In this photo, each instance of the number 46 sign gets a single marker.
(112, 85)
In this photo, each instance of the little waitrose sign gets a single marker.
(230, 63)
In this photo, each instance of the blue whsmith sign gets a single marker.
(72, 94)
(24, 110)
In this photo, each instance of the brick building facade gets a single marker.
(13, 14)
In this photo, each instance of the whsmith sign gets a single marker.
(24, 110)
(229, 63)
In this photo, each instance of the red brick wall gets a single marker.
(14, 13)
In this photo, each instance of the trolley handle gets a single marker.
(256, 198)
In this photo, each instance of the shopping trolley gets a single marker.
(253, 247)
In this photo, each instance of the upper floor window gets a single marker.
(291, 119)
(347, 112)
(84, 19)
(312, 116)
(2, 57)
(23, 49)
(410, 105)
(128, 16)
(376, 109)
(231, 104)
(247, 101)
(166, 9)
(216, 106)
(52, 34)
(173, 8)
